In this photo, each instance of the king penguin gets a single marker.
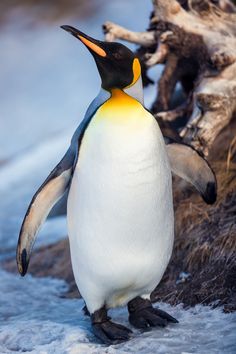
(120, 206)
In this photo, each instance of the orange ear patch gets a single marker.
(136, 72)
(95, 48)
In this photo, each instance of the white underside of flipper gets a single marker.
(120, 208)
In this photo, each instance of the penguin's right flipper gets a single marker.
(42, 202)
(52, 189)
(188, 164)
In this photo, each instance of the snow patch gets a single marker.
(36, 320)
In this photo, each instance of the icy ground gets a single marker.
(35, 320)
(42, 69)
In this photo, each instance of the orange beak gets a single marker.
(92, 44)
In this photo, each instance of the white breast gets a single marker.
(120, 213)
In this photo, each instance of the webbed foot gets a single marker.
(106, 330)
(143, 315)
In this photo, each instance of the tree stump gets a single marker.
(196, 41)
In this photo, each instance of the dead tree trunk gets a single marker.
(196, 41)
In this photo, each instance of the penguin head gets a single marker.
(117, 65)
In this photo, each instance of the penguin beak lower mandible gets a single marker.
(93, 45)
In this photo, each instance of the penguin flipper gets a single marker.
(42, 202)
(52, 189)
(188, 164)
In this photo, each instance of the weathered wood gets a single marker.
(197, 44)
(113, 31)
(214, 103)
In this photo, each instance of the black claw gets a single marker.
(108, 332)
(146, 318)
(116, 333)
(123, 327)
(143, 315)
(155, 320)
(98, 332)
(111, 333)
(166, 316)
(138, 322)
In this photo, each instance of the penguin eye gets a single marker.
(117, 55)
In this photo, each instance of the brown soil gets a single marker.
(205, 243)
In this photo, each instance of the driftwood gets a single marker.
(196, 41)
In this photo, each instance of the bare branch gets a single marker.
(158, 57)
(113, 32)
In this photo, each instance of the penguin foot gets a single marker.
(143, 315)
(106, 330)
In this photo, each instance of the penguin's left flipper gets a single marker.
(42, 202)
(188, 164)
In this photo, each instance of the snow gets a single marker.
(36, 320)
(18, 183)
(35, 317)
